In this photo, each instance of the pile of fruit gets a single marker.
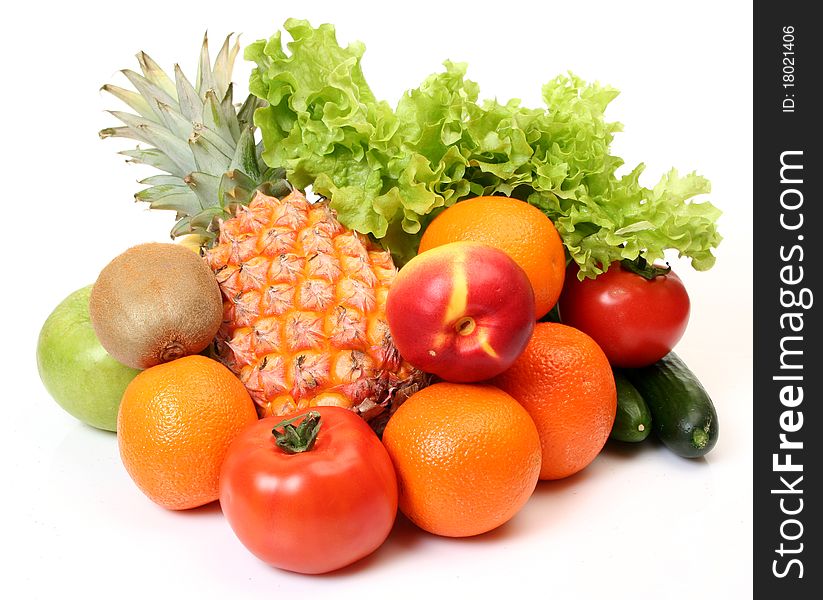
(277, 359)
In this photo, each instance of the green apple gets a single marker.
(76, 370)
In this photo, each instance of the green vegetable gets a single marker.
(633, 421)
(683, 415)
(389, 172)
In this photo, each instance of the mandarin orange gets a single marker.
(563, 379)
(176, 421)
(467, 458)
(514, 226)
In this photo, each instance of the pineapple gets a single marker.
(304, 297)
(304, 319)
(198, 138)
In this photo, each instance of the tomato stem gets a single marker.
(293, 440)
(641, 267)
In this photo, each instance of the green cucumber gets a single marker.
(633, 421)
(683, 415)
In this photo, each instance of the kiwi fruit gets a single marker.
(155, 303)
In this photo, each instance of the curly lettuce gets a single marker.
(389, 171)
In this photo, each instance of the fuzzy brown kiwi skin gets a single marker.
(155, 303)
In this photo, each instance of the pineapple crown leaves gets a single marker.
(195, 135)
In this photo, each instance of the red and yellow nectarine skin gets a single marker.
(463, 311)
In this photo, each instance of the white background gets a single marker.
(637, 522)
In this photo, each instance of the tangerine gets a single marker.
(467, 458)
(563, 379)
(521, 230)
(176, 421)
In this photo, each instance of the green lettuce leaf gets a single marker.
(389, 171)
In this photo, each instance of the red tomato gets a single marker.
(636, 321)
(316, 510)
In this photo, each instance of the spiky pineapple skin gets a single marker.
(304, 309)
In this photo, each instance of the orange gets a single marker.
(175, 423)
(467, 458)
(517, 228)
(564, 380)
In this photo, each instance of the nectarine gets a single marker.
(463, 311)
